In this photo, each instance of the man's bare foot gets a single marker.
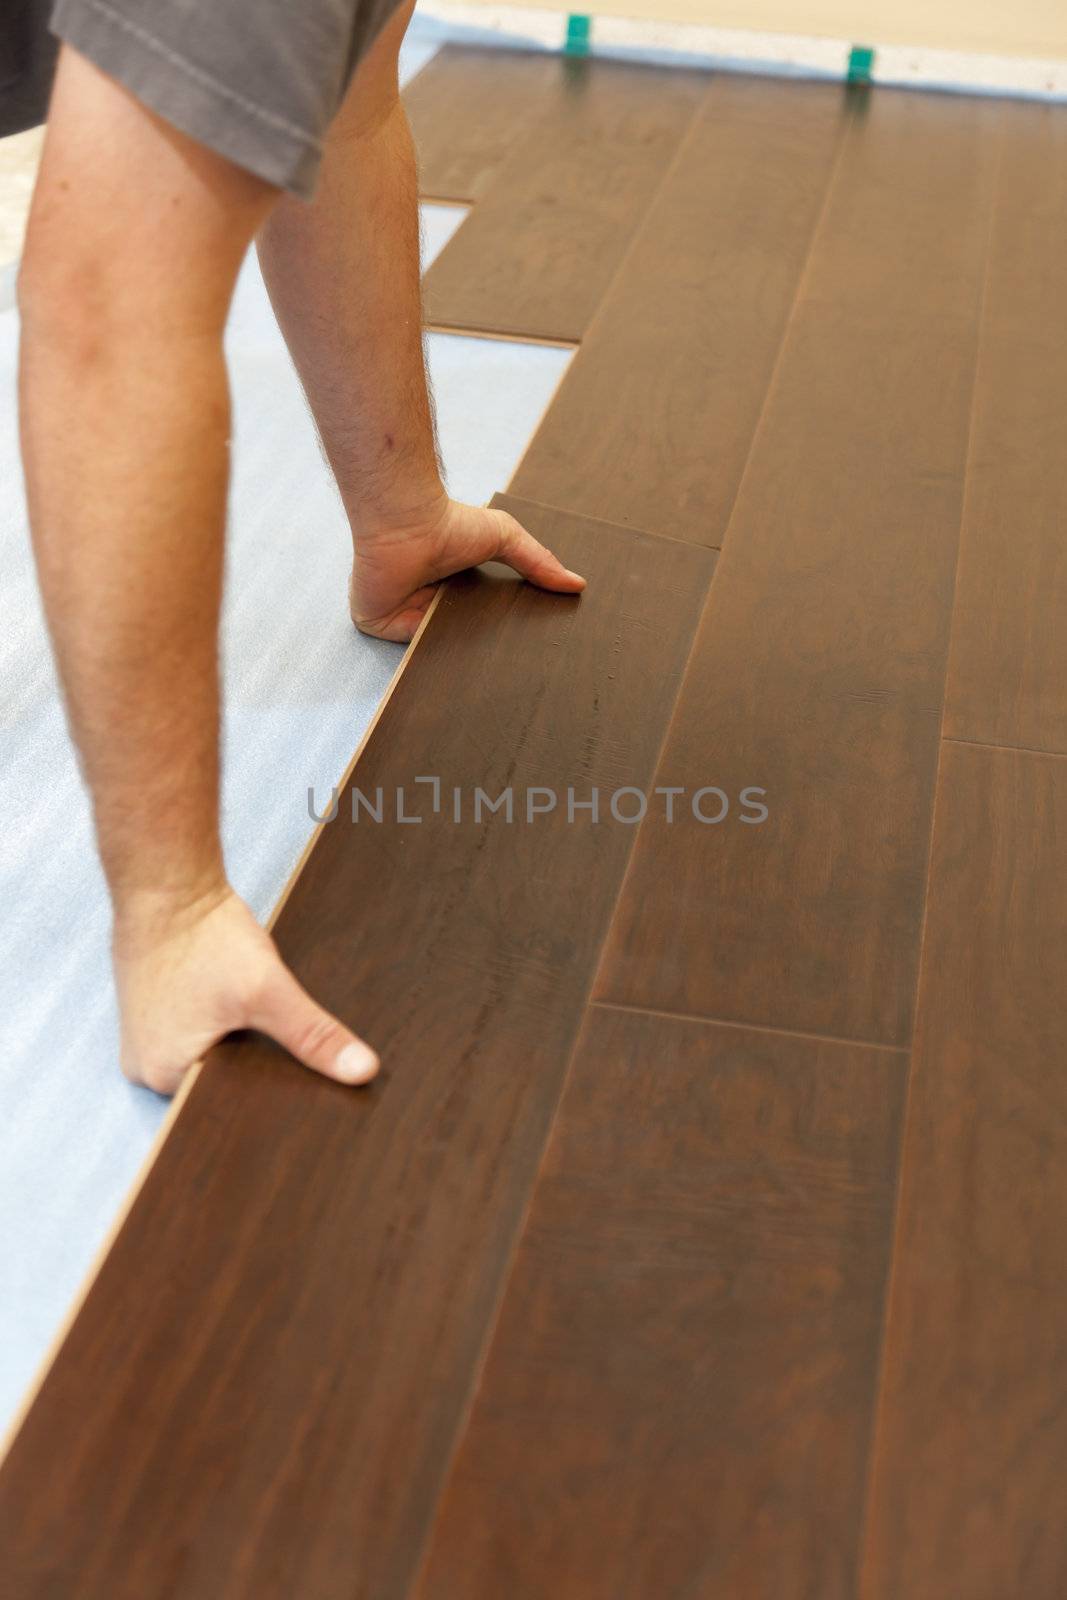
(187, 977)
(397, 571)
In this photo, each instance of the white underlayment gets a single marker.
(300, 688)
(19, 155)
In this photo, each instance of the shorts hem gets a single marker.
(191, 99)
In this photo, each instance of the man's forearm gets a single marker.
(343, 275)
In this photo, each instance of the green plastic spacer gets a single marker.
(579, 29)
(860, 62)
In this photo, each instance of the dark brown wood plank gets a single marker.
(468, 109)
(654, 421)
(259, 1396)
(818, 671)
(536, 254)
(679, 1396)
(1008, 666)
(972, 1449)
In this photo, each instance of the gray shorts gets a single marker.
(257, 80)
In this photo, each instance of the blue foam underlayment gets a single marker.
(300, 688)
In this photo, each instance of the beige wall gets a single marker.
(1003, 27)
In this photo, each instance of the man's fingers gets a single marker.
(522, 551)
(287, 1013)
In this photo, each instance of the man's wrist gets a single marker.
(399, 515)
(143, 914)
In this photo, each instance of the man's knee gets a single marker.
(62, 286)
(82, 295)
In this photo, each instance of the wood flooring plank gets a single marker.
(259, 1396)
(818, 670)
(1007, 679)
(971, 1458)
(678, 1399)
(469, 108)
(654, 421)
(538, 251)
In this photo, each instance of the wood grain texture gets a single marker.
(538, 251)
(972, 1449)
(654, 420)
(1008, 667)
(260, 1394)
(679, 1395)
(818, 671)
(468, 108)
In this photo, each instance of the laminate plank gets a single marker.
(654, 421)
(259, 1396)
(679, 1394)
(818, 671)
(1007, 680)
(536, 254)
(967, 1495)
(468, 109)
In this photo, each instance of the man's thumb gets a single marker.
(287, 1013)
(522, 552)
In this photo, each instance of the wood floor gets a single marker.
(703, 1237)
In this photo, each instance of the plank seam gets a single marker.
(493, 1320)
(747, 1027)
(501, 336)
(798, 295)
(877, 1424)
(667, 726)
(637, 236)
(616, 527)
(1017, 749)
(709, 600)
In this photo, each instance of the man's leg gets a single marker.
(134, 243)
(343, 275)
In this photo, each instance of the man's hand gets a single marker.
(397, 570)
(185, 978)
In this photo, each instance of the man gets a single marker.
(179, 131)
